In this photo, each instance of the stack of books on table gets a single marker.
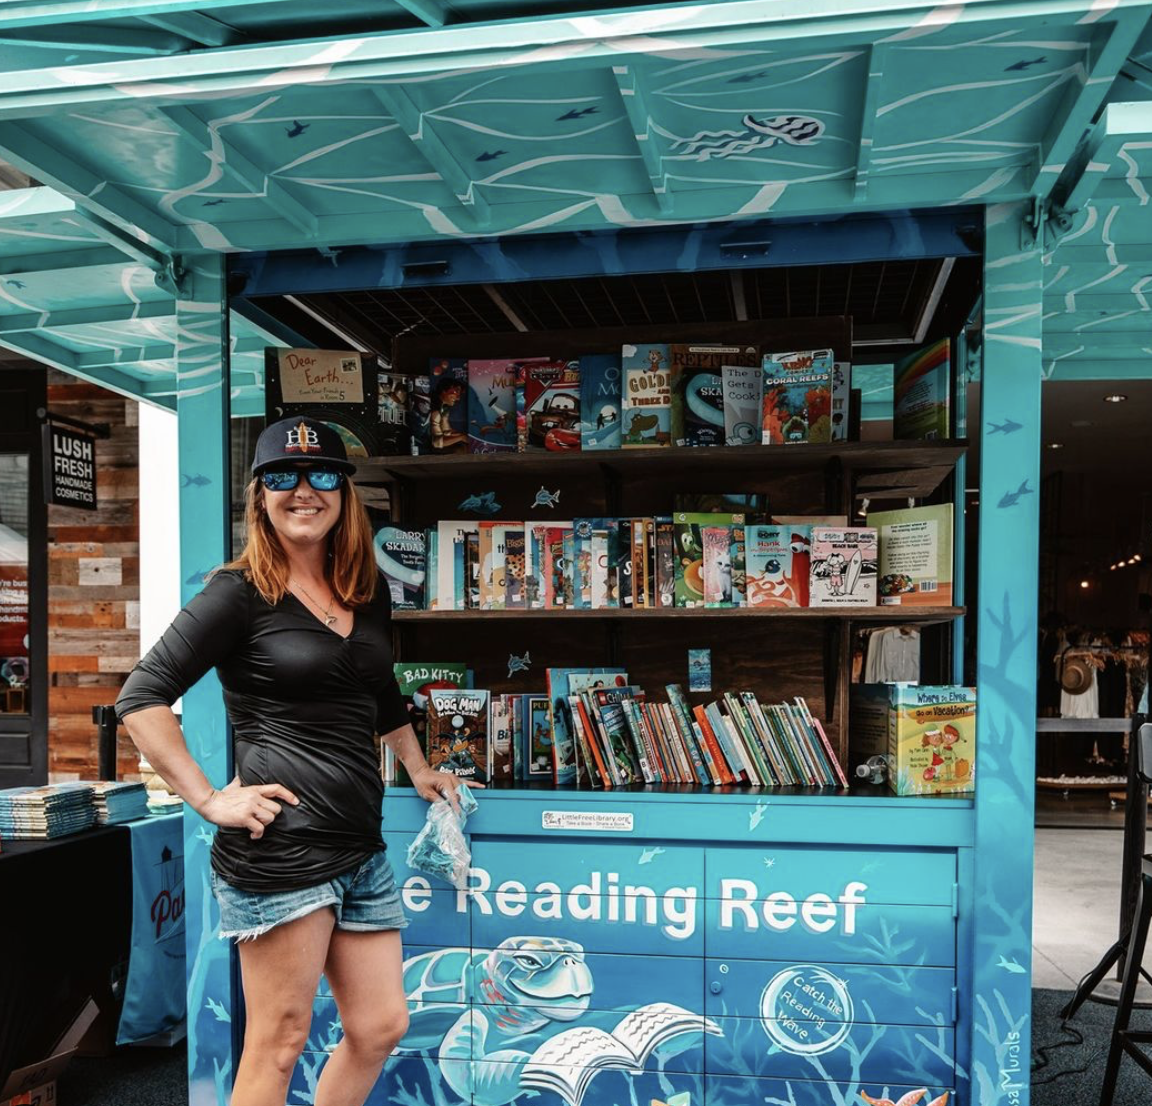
(119, 801)
(54, 810)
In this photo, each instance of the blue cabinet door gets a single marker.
(738, 1090)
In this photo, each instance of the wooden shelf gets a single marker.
(917, 464)
(844, 614)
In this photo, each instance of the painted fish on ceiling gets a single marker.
(793, 130)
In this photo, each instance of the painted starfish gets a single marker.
(909, 1099)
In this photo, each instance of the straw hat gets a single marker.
(1075, 676)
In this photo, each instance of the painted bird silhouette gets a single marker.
(574, 114)
(1010, 499)
(486, 156)
(1008, 427)
(297, 128)
(1020, 66)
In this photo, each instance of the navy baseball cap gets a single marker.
(300, 438)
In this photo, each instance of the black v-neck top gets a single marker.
(304, 704)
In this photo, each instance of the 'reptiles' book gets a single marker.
(458, 733)
(646, 402)
(843, 567)
(448, 405)
(797, 397)
(600, 391)
(552, 406)
(777, 563)
(915, 556)
(697, 417)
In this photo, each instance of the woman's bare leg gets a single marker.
(281, 972)
(365, 973)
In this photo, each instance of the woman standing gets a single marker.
(298, 629)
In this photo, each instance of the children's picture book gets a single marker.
(514, 583)
(448, 405)
(646, 401)
(495, 586)
(559, 548)
(717, 541)
(501, 768)
(688, 551)
(492, 403)
(451, 538)
(393, 434)
(416, 683)
(736, 542)
(563, 682)
(777, 565)
(665, 563)
(606, 702)
(915, 556)
(697, 417)
(921, 393)
(338, 387)
(797, 397)
(538, 758)
(400, 555)
(552, 406)
(843, 567)
(419, 412)
(743, 393)
(600, 391)
(458, 733)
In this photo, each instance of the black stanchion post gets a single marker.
(106, 722)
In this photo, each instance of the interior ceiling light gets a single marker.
(1055, 445)
(1115, 397)
(1084, 583)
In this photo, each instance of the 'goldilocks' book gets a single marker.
(646, 404)
(458, 733)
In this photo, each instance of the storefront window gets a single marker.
(15, 667)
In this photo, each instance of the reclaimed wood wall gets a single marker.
(93, 585)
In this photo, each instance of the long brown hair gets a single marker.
(351, 565)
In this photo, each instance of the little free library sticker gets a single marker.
(608, 821)
(320, 376)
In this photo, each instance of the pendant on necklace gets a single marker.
(330, 620)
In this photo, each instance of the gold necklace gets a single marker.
(329, 617)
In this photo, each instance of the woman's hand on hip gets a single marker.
(250, 808)
(433, 785)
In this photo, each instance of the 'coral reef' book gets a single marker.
(797, 397)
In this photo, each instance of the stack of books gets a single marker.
(39, 813)
(118, 802)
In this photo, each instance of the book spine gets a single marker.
(665, 769)
(635, 729)
(597, 718)
(684, 772)
(726, 717)
(639, 575)
(764, 740)
(810, 743)
(684, 721)
(733, 742)
(651, 592)
(602, 776)
(715, 743)
(431, 596)
(586, 772)
(792, 746)
(829, 752)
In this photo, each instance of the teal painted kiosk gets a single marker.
(799, 949)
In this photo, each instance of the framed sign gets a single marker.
(69, 467)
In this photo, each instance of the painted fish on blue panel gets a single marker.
(757, 134)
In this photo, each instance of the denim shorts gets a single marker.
(365, 899)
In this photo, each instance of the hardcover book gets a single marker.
(419, 412)
(416, 683)
(717, 541)
(697, 390)
(841, 399)
(743, 393)
(458, 733)
(921, 393)
(797, 397)
(777, 565)
(448, 405)
(393, 435)
(538, 758)
(338, 387)
(915, 556)
(552, 406)
(401, 555)
(844, 567)
(600, 390)
(646, 401)
(563, 682)
(688, 550)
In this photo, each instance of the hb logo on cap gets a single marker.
(302, 439)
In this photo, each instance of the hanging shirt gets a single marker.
(304, 704)
(893, 657)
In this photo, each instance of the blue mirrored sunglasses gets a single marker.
(284, 480)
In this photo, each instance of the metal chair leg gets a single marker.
(1136, 947)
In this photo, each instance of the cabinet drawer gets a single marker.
(601, 864)
(899, 995)
(767, 1048)
(435, 917)
(738, 1090)
(895, 876)
(843, 932)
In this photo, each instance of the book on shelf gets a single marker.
(646, 399)
(419, 413)
(451, 546)
(841, 400)
(697, 412)
(552, 406)
(563, 682)
(915, 556)
(538, 758)
(458, 726)
(743, 394)
(393, 435)
(493, 388)
(843, 567)
(600, 392)
(921, 394)
(402, 556)
(797, 397)
(501, 746)
(777, 565)
(448, 405)
(416, 682)
(691, 554)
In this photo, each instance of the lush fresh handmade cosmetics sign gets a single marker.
(69, 467)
